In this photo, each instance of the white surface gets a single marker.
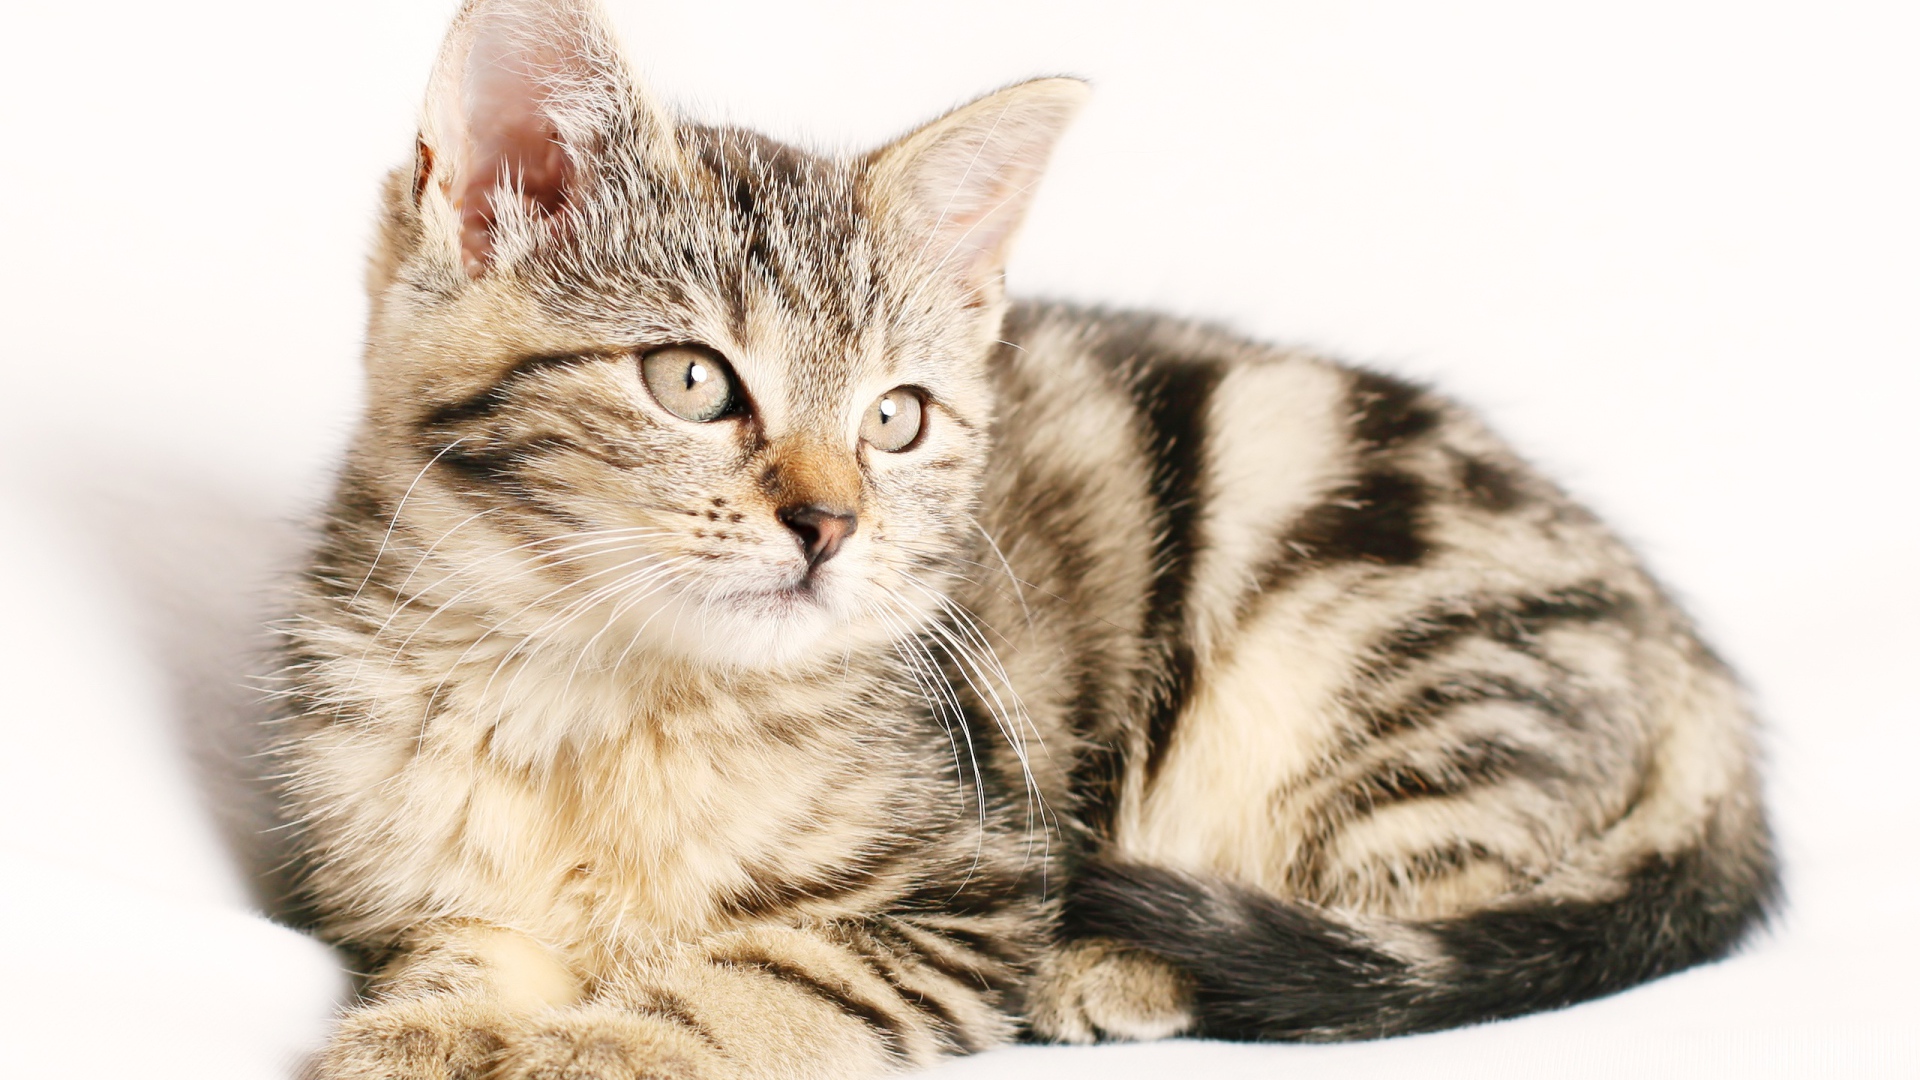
(1670, 248)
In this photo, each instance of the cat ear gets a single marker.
(524, 93)
(962, 184)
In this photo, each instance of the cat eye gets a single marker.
(893, 421)
(690, 382)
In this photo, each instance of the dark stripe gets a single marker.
(1452, 770)
(994, 946)
(675, 1010)
(1516, 621)
(743, 199)
(957, 962)
(1311, 876)
(972, 891)
(353, 534)
(1166, 709)
(1453, 857)
(1389, 412)
(1173, 395)
(1458, 690)
(950, 1029)
(736, 162)
(754, 219)
(1101, 765)
(1378, 519)
(1489, 486)
(881, 951)
(484, 404)
(776, 891)
(497, 472)
(500, 466)
(762, 261)
(1470, 764)
(495, 459)
(887, 1027)
(483, 464)
(1054, 520)
(355, 499)
(732, 152)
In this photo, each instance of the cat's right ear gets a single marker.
(524, 99)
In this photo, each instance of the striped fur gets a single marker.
(1167, 683)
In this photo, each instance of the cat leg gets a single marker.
(1095, 990)
(839, 1001)
(447, 1006)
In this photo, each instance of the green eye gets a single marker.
(690, 382)
(893, 422)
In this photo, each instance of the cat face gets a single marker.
(680, 388)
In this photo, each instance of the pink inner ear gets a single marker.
(510, 138)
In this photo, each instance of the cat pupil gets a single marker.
(887, 409)
(695, 374)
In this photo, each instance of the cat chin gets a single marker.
(776, 630)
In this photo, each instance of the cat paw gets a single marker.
(417, 1039)
(1096, 991)
(604, 1044)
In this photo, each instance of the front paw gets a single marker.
(415, 1039)
(1096, 991)
(593, 1043)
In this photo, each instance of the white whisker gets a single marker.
(393, 520)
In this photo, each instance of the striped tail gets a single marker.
(1264, 969)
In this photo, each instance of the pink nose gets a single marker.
(820, 530)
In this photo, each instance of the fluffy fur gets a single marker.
(1166, 683)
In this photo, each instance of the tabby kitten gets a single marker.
(744, 644)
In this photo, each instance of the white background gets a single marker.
(1672, 249)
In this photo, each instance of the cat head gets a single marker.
(679, 386)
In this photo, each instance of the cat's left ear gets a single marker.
(525, 97)
(961, 185)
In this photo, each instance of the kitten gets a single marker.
(745, 644)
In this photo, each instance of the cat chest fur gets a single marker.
(598, 808)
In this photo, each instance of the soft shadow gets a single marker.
(204, 565)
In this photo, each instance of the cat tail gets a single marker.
(1261, 968)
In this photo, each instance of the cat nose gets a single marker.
(821, 530)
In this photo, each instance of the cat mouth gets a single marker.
(802, 591)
